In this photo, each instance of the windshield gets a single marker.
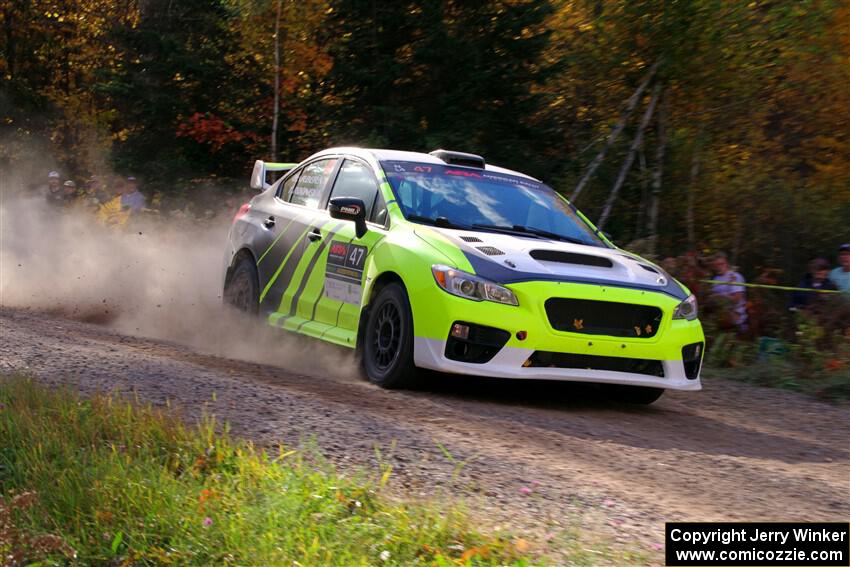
(460, 197)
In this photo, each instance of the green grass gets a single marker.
(105, 481)
(832, 386)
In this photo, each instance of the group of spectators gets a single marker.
(114, 200)
(819, 277)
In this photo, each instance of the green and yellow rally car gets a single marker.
(440, 261)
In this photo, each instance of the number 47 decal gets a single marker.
(355, 256)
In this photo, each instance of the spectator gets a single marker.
(53, 192)
(68, 193)
(735, 294)
(840, 276)
(132, 198)
(816, 278)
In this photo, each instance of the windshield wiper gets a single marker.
(441, 222)
(530, 231)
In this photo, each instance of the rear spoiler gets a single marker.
(258, 176)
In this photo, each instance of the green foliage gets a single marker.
(109, 482)
(755, 105)
(439, 74)
(814, 359)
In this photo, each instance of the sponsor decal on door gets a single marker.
(344, 274)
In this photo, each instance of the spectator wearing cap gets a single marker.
(69, 191)
(132, 198)
(53, 191)
(840, 276)
(816, 278)
(725, 289)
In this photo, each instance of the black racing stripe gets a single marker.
(338, 311)
(304, 278)
(321, 293)
(285, 238)
(500, 274)
(313, 316)
(272, 300)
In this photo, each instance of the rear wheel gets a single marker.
(387, 355)
(639, 395)
(242, 289)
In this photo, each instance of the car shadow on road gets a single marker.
(584, 411)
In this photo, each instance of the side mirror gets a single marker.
(349, 208)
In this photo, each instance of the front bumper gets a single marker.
(432, 326)
(508, 363)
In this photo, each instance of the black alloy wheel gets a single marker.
(242, 289)
(387, 355)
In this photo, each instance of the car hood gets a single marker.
(506, 258)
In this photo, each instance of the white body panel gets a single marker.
(430, 353)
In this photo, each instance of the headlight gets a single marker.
(687, 309)
(471, 287)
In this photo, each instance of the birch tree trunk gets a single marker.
(630, 158)
(644, 194)
(655, 195)
(689, 212)
(615, 133)
(276, 111)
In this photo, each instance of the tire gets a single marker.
(638, 395)
(242, 290)
(387, 355)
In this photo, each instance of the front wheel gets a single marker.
(242, 289)
(387, 355)
(639, 395)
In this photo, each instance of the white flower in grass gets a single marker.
(385, 555)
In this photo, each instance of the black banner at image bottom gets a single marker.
(761, 544)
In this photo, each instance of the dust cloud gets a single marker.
(159, 277)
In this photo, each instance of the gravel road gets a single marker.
(532, 455)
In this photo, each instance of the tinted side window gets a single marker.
(355, 179)
(308, 189)
(285, 189)
(379, 213)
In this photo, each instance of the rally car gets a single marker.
(441, 261)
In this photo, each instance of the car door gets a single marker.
(335, 306)
(297, 222)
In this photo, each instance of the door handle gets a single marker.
(269, 222)
(314, 235)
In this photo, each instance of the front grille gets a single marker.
(545, 359)
(603, 317)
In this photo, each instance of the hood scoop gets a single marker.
(571, 258)
(471, 239)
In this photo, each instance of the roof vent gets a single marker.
(471, 239)
(459, 158)
(490, 251)
(648, 268)
(571, 258)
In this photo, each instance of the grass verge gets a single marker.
(105, 481)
